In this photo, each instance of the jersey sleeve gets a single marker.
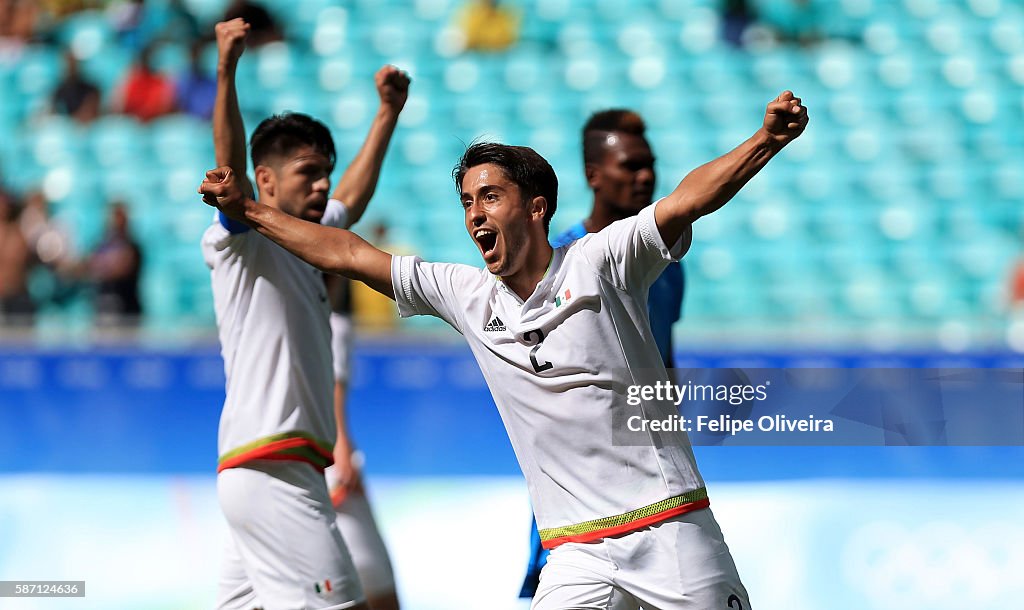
(631, 253)
(336, 215)
(219, 239)
(429, 289)
(231, 226)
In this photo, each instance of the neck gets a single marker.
(601, 216)
(525, 281)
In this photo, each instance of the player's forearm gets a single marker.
(359, 182)
(342, 440)
(712, 185)
(323, 247)
(331, 250)
(228, 128)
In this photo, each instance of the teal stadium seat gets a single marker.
(56, 140)
(38, 71)
(171, 58)
(118, 141)
(107, 68)
(301, 18)
(178, 139)
(85, 33)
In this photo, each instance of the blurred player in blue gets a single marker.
(619, 165)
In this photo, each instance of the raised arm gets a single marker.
(359, 181)
(712, 185)
(228, 129)
(326, 248)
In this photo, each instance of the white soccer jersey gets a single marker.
(558, 367)
(272, 318)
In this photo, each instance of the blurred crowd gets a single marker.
(144, 92)
(40, 266)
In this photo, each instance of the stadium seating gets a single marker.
(900, 205)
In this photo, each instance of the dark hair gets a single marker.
(600, 124)
(282, 134)
(523, 166)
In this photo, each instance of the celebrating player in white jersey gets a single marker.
(619, 166)
(277, 428)
(561, 335)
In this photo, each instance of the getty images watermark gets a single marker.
(762, 407)
(721, 423)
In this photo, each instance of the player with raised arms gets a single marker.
(278, 427)
(559, 334)
(619, 167)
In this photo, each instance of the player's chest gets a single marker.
(567, 325)
(295, 284)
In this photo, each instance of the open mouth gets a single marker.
(487, 239)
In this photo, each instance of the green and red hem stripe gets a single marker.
(287, 446)
(589, 531)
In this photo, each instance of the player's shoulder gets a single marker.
(223, 236)
(214, 236)
(469, 277)
(457, 273)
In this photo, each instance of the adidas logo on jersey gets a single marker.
(495, 325)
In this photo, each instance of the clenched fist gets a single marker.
(221, 190)
(785, 118)
(392, 87)
(231, 41)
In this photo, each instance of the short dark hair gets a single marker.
(522, 165)
(282, 134)
(600, 124)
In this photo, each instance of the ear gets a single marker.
(266, 180)
(538, 207)
(592, 173)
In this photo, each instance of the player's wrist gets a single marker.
(766, 139)
(388, 113)
(252, 211)
(226, 68)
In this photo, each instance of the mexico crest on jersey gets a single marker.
(563, 298)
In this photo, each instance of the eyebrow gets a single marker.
(310, 158)
(487, 188)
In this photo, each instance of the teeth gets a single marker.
(483, 233)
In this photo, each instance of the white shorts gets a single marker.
(359, 529)
(284, 551)
(341, 345)
(679, 564)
